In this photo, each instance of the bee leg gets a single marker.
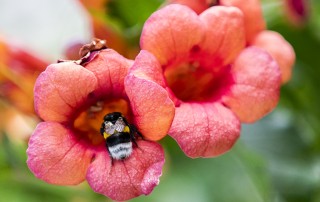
(135, 131)
(133, 139)
(102, 129)
(140, 135)
(110, 156)
(135, 143)
(111, 160)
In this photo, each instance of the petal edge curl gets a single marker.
(169, 36)
(60, 89)
(256, 87)
(285, 56)
(198, 6)
(253, 18)
(150, 102)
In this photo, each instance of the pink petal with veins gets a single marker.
(132, 177)
(171, 32)
(224, 35)
(61, 89)
(279, 49)
(110, 68)
(57, 156)
(150, 102)
(256, 87)
(253, 16)
(204, 130)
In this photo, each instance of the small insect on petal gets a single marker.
(95, 45)
(119, 135)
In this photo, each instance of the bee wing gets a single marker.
(109, 128)
(119, 125)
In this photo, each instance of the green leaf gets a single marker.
(239, 175)
(131, 15)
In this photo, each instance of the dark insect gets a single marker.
(119, 135)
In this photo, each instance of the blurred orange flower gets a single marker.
(18, 72)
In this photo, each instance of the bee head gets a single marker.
(112, 117)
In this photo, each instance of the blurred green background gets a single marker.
(276, 159)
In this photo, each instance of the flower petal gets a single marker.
(171, 32)
(285, 56)
(224, 35)
(198, 6)
(110, 68)
(124, 180)
(150, 102)
(204, 130)
(60, 89)
(257, 85)
(253, 17)
(57, 156)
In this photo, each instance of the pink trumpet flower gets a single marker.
(216, 82)
(73, 97)
(255, 30)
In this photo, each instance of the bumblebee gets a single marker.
(119, 135)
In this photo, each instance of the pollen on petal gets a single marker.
(279, 49)
(204, 130)
(60, 89)
(129, 178)
(256, 87)
(56, 156)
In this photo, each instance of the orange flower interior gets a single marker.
(190, 82)
(88, 122)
